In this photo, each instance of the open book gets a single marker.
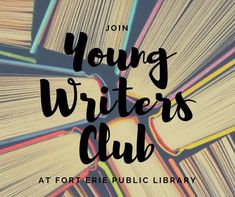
(125, 130)
(16, 29)
(21, 110)
(213, 166)
(89, 188)
(52, 155)
(198, 31)
(213, 115)
(90, 17)
(19, 14)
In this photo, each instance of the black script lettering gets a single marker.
(61, 99)
(79, 49)
(95, 57)
(181, 105)
(181, 102)
(91, 104)
(143, 153)
(162, 63)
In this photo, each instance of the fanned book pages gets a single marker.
(79, 190)
(214, 168)
(54, 155)
(16, 23)
(197, 31)
(92, 18)
(20, 103)
(125, 130)
(87, 187)
(76, 190)
(213, 116)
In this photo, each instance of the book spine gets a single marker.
(62, 70)
(17, 56)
